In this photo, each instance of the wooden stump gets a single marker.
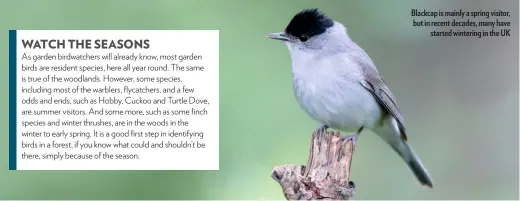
(326, 176)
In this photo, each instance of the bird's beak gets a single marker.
(279, 36)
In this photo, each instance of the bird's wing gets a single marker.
(377, 86)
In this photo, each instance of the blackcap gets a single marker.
(336, 83)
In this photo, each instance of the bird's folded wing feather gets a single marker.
(375, 84)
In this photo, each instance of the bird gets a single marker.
(338, 85)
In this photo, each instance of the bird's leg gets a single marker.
(352, 137)
(322, 129)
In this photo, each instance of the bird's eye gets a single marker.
(304, 38)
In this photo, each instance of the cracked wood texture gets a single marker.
(326, 176)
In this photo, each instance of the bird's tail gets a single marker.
(412, 160)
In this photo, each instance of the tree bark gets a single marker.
(326, 176)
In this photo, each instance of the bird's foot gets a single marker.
(352, 138)
(322, 129)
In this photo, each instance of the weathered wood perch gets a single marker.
(326, 176)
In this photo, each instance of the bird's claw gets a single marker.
(322, 129)
(352, 138)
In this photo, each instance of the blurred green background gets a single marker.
(459, 98)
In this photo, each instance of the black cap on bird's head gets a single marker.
(304, 25)
(309, 22)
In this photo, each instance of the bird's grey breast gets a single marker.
(328, 90)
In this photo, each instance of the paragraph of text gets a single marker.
(116, 100)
